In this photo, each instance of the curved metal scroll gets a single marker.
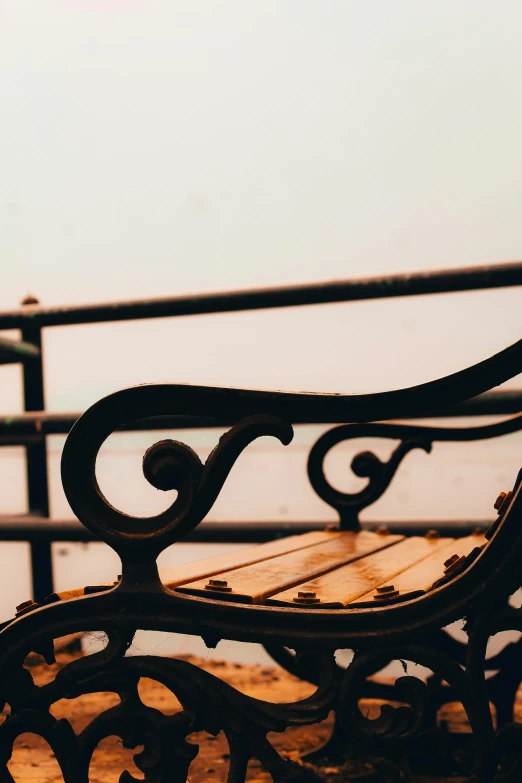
(166, 465)
(207, 704)
(366, 464)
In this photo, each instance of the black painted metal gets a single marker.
(36, 455)
(409, 284)
(380, 474)
(32, 528)
(31, 427)
(409, 631)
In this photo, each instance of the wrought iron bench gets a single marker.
(384, 596)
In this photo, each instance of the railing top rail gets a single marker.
(382, 287)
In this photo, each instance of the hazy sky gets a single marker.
(153, 147)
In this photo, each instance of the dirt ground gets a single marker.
(33, 761)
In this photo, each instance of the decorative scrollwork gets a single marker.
(399, 731)
(394, 723)
(366, 464)
(263, 413)
(167, 465)
(208, 705)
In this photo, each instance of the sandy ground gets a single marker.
(33, 761)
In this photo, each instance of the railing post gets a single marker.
(37, 475)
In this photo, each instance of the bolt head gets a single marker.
(452, 563)
(382, 531)
(306, 597)
(449, 562)
(388, 592)
(431, 535)
(506, 500)
(498, 502)
(24, 605)
(29, 300)
(218, 584)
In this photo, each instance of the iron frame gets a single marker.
(411, 630)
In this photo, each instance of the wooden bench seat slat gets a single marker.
(253, 584)
(341, 568)
(342, 586)
(199, 569)
(419, 578)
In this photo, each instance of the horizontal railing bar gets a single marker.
(37, 424)
(33, 528)
(382, 287)
(16, 351)
(24, 428)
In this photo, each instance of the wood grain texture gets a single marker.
(253, 584)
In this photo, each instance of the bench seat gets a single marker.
(328, 569)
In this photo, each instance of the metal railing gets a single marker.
(31, 428)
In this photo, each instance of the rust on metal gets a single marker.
(307, 597)
(221, 585)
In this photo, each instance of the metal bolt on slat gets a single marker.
(26, 606)
(382, 531)
(431, 535)
(307, 597)
(504, 503)
(218, 584)
(452, 562)
(449, 562)
(385, 591)
(498, 502)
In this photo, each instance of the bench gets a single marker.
(383, 595)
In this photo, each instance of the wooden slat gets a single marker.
(201, 569)
(419, 578)
(253, 584)
(342, 586)
(66, 595)
(341, 568)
